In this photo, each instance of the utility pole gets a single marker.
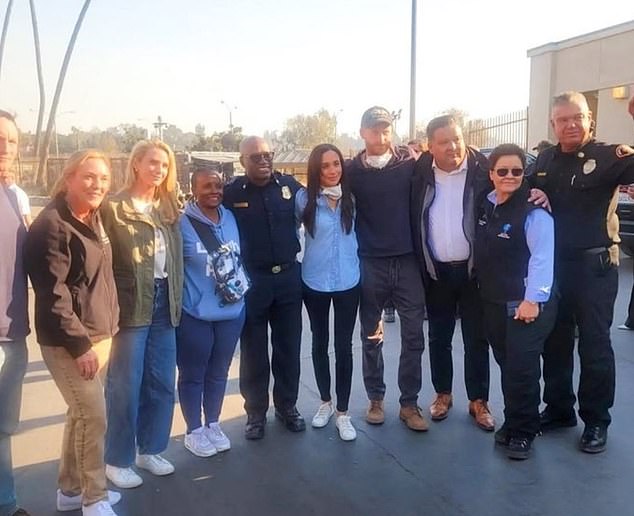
(158, 125)
(412, 82)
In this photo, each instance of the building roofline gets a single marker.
(613, 30)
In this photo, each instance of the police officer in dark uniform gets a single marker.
(581, 178)
(263, 203)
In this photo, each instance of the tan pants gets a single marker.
(82, 468)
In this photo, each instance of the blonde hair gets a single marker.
(166, 191)
(76, 160)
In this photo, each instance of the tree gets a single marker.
(40, 78)
(199, 130)
(41, 171)
(5, 29)
(306, 131)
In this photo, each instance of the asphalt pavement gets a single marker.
(453, 469)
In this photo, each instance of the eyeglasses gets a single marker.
(259, 156)
(515, 172)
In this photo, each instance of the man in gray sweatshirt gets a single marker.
(14, 325)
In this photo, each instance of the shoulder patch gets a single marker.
(622, 151)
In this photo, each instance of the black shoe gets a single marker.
(502, 436)
(519, 448)
(292, 419)
(548, 422)
(594, 439)
(21, 512)
(255, 428)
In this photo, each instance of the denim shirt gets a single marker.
(331, 261)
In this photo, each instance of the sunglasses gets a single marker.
(259, 156)
(515, 172)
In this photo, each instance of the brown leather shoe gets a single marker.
(375, 414)
(413, 418)
(439, 409)
(479, 409)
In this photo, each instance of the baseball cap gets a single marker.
(376, 115)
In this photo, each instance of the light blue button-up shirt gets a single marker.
(331, 261)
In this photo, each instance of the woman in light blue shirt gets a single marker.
(330, 274)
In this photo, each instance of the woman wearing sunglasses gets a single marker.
(514, 255)
(330, 274)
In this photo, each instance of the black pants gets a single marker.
(275, 300)
(517, 347)
(454, 290)
(588, 292)
(397, 279)
(346, 303)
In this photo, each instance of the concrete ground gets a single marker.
(454, 469)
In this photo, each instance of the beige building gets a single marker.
(599, 64)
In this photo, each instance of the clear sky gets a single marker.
(273, 59)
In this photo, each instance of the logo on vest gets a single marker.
(505, 232)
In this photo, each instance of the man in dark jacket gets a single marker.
(14, 326)
(380, 179)
(450, 182)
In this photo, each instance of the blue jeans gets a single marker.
(140, 386)
(13, 360)
(204, 352)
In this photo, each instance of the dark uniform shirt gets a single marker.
(582, 187)
(266, 220)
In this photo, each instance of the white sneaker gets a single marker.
(73, 503)
(155, 464)
(217, 437)
(346, 430)
(124, 478)
(324, 412)
(198, 443)
(98, 509)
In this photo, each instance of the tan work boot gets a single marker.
(375, 414)
(479, 409)
(439, 409)
(413, 418)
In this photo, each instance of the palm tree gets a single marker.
(41, 171)
(40, 77)
(5, 28)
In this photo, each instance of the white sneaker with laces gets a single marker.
(155, 464)
(198, 443)
(323, 415)
(98, 509)
(217, 437)
(346, 430)
(73, 503)
(123, 478)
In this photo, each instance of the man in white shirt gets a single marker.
(7, 177)
(450, 180)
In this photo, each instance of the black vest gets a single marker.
(501, 251)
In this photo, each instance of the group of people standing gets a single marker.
(129, 286)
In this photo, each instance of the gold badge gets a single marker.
(541, 174)
(589, 166)
(240, 204)
(286, 192)
(622, 151)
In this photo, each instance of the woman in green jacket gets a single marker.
(142, 224)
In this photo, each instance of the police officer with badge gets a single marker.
(263, 203)
(581, 178)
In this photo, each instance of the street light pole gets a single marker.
(230, 110)
(412, 85)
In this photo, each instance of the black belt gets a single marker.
(458, 263)
(578, 254)
(273, 269)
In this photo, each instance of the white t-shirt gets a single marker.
(23, 200)
(160, 246)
